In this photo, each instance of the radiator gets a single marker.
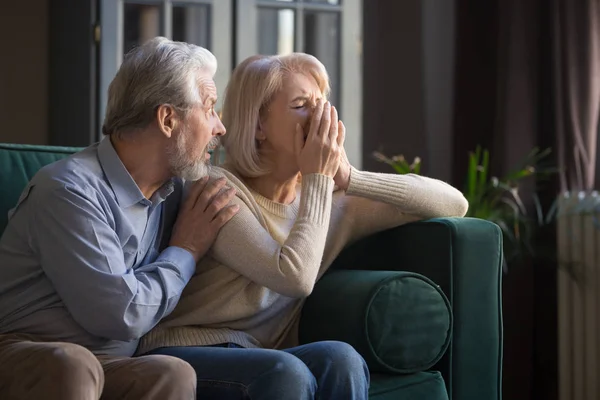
(578, 229)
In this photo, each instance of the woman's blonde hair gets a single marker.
(252, 86)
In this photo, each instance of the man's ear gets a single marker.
(167, 119)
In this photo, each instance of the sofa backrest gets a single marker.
(18, 164)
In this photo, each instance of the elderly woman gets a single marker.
(300, 202)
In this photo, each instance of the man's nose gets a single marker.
(219, 128)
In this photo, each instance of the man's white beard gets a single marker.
(185, 166)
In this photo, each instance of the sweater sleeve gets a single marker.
(375, 201)
(291, 269)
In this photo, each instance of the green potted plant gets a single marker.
(499, 200)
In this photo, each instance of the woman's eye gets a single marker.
(297, 107)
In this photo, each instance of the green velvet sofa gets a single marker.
(420, 302)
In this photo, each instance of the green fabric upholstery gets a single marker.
(18, 164)
(399, 321)
(419, 386)
(463, 256)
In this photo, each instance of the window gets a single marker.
(190, 22)
(328, 29)
(140, 23)
(236, 29)
(126, 24)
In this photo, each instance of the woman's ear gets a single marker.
(260, 133)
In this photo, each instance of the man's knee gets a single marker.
(175, 368)
(49, 370)
(177, 372)
(70, 363)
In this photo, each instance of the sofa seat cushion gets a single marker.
(418, 386)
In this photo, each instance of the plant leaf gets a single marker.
(483, 171)
(538, 209)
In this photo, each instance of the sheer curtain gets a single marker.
(576, 57)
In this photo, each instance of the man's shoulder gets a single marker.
(74, 179)
(79, 174)
(80, 170)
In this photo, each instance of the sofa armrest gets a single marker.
(464, 257)
(400, 322)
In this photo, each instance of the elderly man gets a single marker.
(98, 249)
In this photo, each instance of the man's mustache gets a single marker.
(213, 144)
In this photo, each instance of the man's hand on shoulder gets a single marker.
(205, 210)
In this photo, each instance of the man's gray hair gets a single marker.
(160, 71)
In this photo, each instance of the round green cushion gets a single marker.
(400, 322)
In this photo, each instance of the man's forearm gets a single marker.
(83, 258)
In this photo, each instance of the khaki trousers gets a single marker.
(31, 369)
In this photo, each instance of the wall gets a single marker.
(393, 98)
(23, 72)
(408, 83)
(438, 84)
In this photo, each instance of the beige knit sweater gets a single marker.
(249, 288)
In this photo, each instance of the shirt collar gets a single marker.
(163, 192)
(124, 187)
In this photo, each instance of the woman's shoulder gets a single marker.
(229, 174)
(243, 196)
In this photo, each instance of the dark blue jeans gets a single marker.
(326, 370)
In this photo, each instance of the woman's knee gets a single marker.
(291, 368)
(341, 371)
(289, 372)
(341, 357)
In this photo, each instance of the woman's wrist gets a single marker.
(342, 177)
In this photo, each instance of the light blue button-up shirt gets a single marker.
(85, 256)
